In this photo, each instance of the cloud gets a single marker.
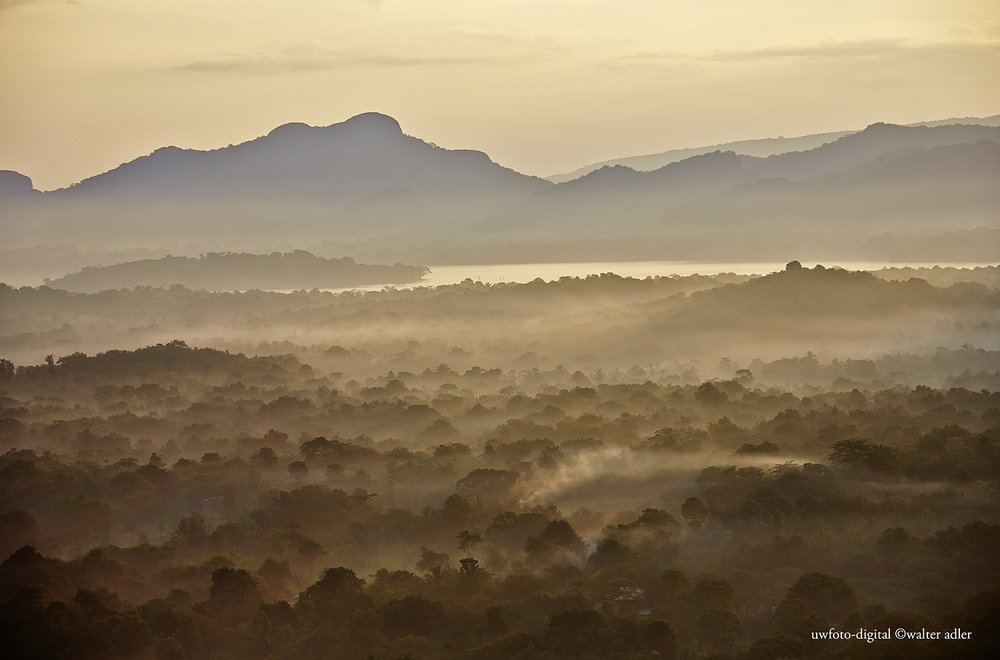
(871, 48)
(844, 51)
(961, 30)
(545, 40)
(9, 4)
(664, 63)
(312, 55)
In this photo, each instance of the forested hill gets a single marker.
(174, 357)
(231, 271)
(606, 321)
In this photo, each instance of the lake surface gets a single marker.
(520, 273)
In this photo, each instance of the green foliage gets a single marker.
(898, 527)
(832, 597)
(864, 454)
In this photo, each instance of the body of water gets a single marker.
(520, 273)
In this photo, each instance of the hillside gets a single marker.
(363, 187)
(232, 272)
(297, 181)
(885, 178)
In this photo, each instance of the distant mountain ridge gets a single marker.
(14, 182)
(909, 192)
(879, 177)
(353, 159)
(761, 148)
(363, 182)
(623, 194)
(865, 146)
(295, 182)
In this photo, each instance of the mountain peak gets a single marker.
(291, 128)
(11, 181)
(367, 122)
(374, 121)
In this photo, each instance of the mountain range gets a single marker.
(885, 178)
(364, 182)
(762, 147)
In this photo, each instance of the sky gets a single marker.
(542, 86)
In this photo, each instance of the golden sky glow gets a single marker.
(543, 86)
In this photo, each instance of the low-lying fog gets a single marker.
(581, 438)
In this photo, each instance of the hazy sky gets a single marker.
(543, 86)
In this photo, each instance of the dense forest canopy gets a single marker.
(399, 474)
(603, 321)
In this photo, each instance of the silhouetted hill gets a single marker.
(366, 186)
(860, 148)
(14, 182)
(798, 307)
(229, 272)
(296, 181)
(392, 209)
(957, 162)
(761, 148)
(884, 178)
(595, 320)
(350, 160)
(615, 198)
(951, 186)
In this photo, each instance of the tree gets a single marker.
(7, 371)
(299, 470)
(414, 615)
(489, 483)
(338, 594)
(510, 530)
(832, 597)
(710, 395)
(695, 512)
(713, 594)
(558, 536)
(609, 551)
(430, 560)
(265, 457)
(657, 636)
(455, 511)
(234, 596)
(311, 551)
(673, 582)
(276, 574)
(468, 540)
(779, 646)
(17, 529)
(471, 576)
(362, 635)
(718, 629)
(130, 636)
(796, 616)
(94, 515)
(858, 453)
(191, 529)
(576, 632)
